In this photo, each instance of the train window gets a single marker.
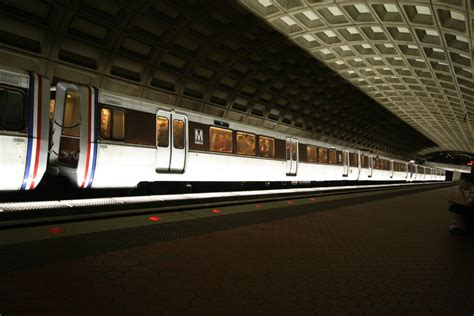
(246, 144)
(332, 157)
(221, 140)
(322, 155)
(365, 161)
(339, 157)
(162, 131)
(293, 150)
(72, 114)
(266, 146)
(311, 154)
(178, 134)
(11, 110)
(105, 123)
(118, 124)
(353, 160)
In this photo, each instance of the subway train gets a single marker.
(101, 139)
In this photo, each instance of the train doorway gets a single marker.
(171, 142)
(292, 156)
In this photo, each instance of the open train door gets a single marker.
(292, 156)
(171, 142)
(74, 137)
(345, 163)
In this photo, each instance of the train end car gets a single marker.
(24, 128)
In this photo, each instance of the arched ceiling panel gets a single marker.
(209, 56)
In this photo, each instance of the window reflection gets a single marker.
(322, 155)
(162, 131)
(311, 154)
(221, 140)
(266, 146)
(178, 134)
(246, 144)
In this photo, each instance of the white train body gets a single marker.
(99, 139)
(24, 129)
(118, 164)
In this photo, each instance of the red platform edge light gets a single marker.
(154, 218)
(55, 230)
(312, 199)
(216, 211)
(258, 205)
(291, 202)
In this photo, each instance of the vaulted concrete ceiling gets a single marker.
(413, 57)
(218, 58)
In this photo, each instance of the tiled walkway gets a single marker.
(390, 256)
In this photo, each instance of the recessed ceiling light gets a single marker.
(377, 58)
(357, 60)
(388, 45)
(462, 38)
(325, 51)
(350, 71)
(288, 20)
(339, 62)
(437, 50)
(310, 15)
(345, 48)
(366, 46)
(410, 46)
(422, 10)
(403, 30)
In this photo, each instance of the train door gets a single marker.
(359, 164)
(371, 166)
(391, 169)
(406, 171)
(292, 156)
(345, 163)
(171, 142)
(74, 140)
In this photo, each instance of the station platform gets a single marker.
(376, 253)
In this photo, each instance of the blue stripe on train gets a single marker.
(30, 128)
(96, 133)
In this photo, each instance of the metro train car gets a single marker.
(101, 139)
(24, 128)
(106, 140)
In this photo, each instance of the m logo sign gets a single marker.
(198, 136)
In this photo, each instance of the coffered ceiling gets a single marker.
(413, 57)
(308, 68)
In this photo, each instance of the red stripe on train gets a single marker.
(88, 139)
(38, 131)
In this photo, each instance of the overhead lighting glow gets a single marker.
(422, 10)
(310, 15)
(335, 11)
(412, 46)
(366, 46)
(325, 51)
(289, 21)
(357, 60)
(309, 37)
(339, 62)
(265, 3)
(377, 58)
(439, 50)
(462, 38)
(351, 72)
(388, 45)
